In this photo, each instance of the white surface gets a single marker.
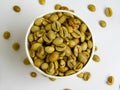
(14, 75)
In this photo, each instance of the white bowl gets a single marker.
(30, 59)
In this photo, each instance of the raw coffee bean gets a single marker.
(42, 2)
(52, 79)
(57, 7)
(6, 35)
(96, 48)
(33, 74)
(86, 76)
(102, 23)
(110, 80)
(16, 8)
(108, 12)
(92, 7)
(96, 58)
(16, 46)
(80, 75)
(66, 89)
(26, 61)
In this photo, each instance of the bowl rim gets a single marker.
(30, 59)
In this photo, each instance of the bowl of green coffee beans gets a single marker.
(59, 44)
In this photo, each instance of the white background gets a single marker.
(14, 75)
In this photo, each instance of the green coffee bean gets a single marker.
(51, 35)
(6, 35)
(16, 8)
(16, 46)
(49, 49)
(35, 46)
(63, 32)
(42, 2)
(57, 7)
(54, 56)
(96, 48)
(78, 66)
(58, 41)
(76, 34)
(108, 12)
(38, 21)
(96, 58)
(82, 58)
(44, 66)
(66, 89)
(53, 17)
(80, 75)
(102, 23)
(33, 74)
(92, 7)
(61, 47)
(56, 26)
(26, 61)
(86, 76)
(30, 38)
(89, 44)
(83, 27)
(38, 62)
(52, 79)
(69, 72)
(110, 80)
(64, 8)
(35, 28)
